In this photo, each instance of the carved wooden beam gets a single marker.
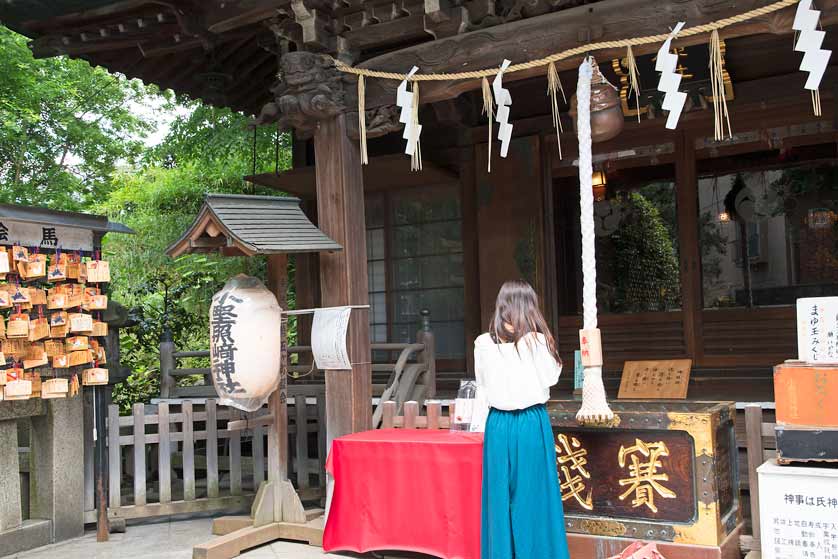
(444, 19)
(540, 36)
(244, 18)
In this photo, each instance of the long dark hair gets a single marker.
(517, 307)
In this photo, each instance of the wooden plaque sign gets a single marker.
(665, 380)
(643, 475)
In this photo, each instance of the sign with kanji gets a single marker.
(666, 380)
(798, 511)
(642, 474)
(817, 329)
(45, 236)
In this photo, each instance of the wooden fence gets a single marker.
(180, 458)
(400, 371)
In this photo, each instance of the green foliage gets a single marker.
(646, 266)
(71, 137)
(220, 142)
(64, 127)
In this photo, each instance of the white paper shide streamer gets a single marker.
(404, 99)
(670, 80)
(809, 42)
(594, 405)
(503, 99)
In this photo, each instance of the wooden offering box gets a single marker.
(667, 473)
(806, 394)
(807, 414)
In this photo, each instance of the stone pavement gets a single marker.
(170, 540)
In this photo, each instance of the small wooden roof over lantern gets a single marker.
(243, 225)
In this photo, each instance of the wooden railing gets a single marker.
(761, 444)
(402, 372)
(433, 418)
(181, 458)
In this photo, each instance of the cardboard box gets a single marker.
(806, 394)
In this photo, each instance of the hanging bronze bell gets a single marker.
(606, 113)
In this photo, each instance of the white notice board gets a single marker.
(798, 512)
(328, 338)
(817, 329)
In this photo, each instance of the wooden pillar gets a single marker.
(307, 265)
(551, 281)
(278, 401)
(343, 275)
(307, 282)
(686, 189)
(471, 265)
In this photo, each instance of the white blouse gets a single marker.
(513, 378)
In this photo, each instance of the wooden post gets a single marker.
(471, 251)
(101, 465)
(426, 336)
(278, 402)
(753, 438)
(167, 365)
(686, 185)
(343, 275)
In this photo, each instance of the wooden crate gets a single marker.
(802, 444)
(806, 394)
(667, 473)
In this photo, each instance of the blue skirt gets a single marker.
(522, 504)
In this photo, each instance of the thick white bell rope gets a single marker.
(594, 405)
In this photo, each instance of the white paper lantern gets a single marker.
(245, 343)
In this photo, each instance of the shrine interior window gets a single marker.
(415, 262)
(768, 225)
(636, 229)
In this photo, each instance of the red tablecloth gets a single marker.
(406, 489)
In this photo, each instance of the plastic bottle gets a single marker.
(464, 406)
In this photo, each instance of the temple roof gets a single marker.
(226, 51)
(241, 225)
(33, 214)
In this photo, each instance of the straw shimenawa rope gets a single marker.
(570, 53)
(554, 85)
(489, 111)
(362, 121)
(634, 80)
(720, 112)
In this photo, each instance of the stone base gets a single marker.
(602, 547)
(31, 534)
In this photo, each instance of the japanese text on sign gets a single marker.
(45, 236)
(643, 462)
(223, 320)
(817, 329)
